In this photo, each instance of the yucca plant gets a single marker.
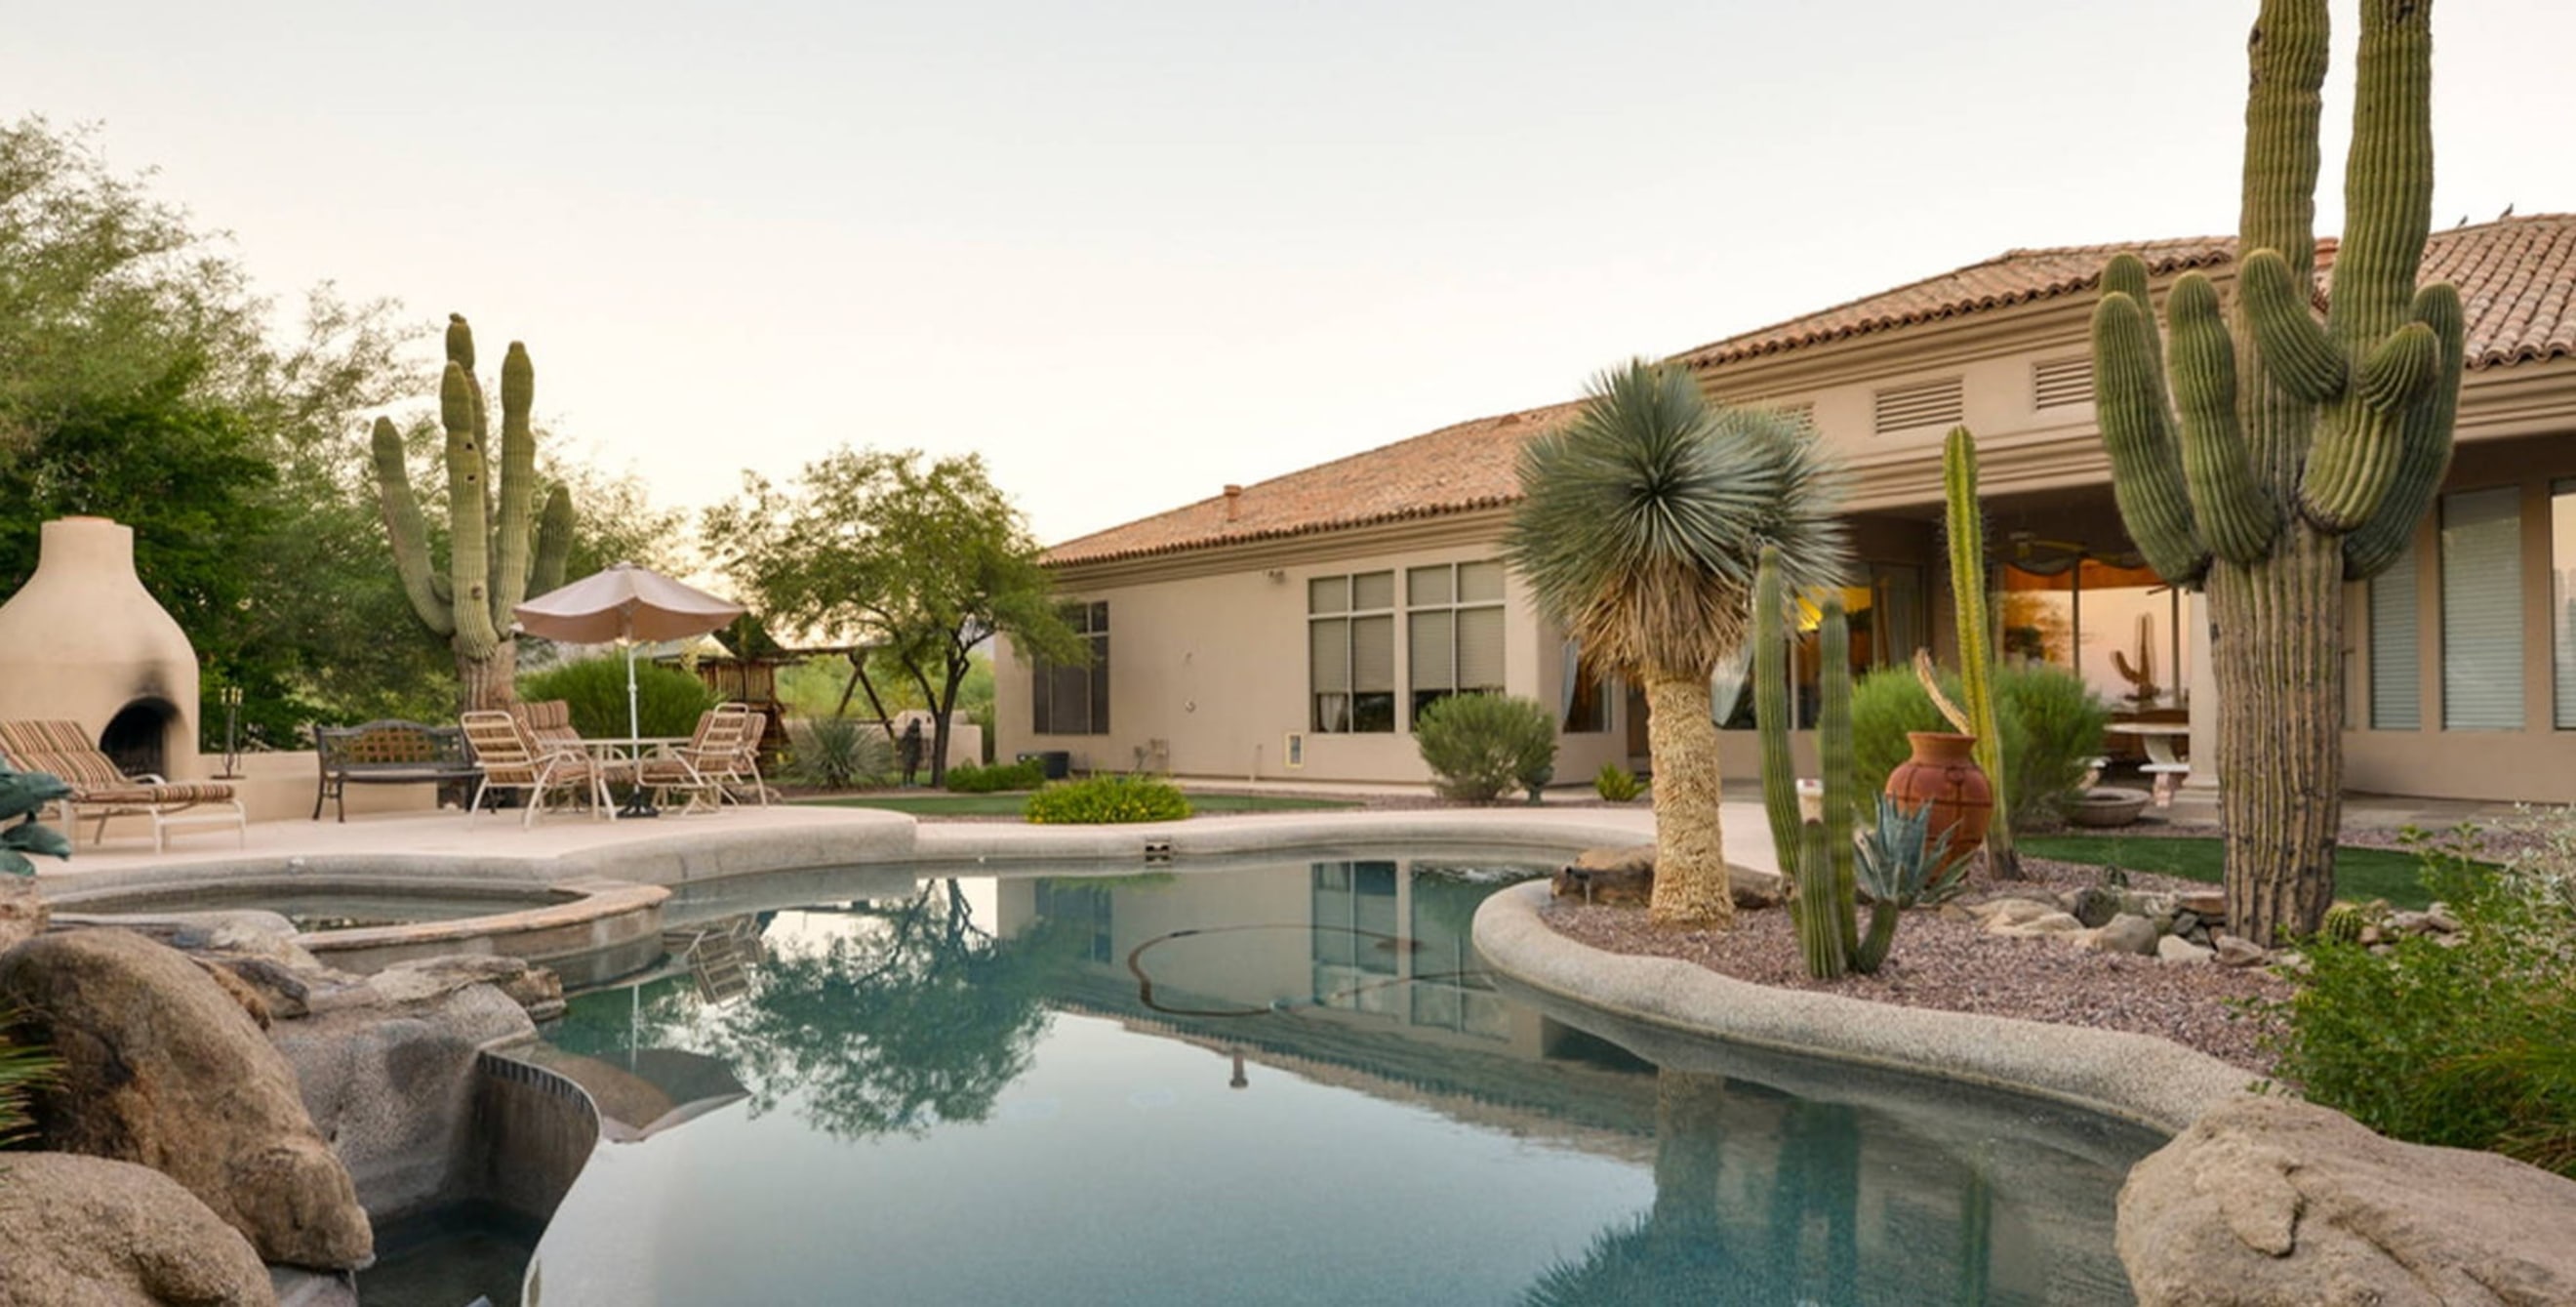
(1641, 522)
(22, 1070)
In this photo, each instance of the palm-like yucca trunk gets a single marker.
(1691, 886)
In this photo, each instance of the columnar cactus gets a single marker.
(2289, 456)
(491, 565)
(1965, 526)
(1816, 856)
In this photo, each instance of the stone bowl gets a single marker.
(2106, 806)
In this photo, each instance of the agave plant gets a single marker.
(1641, 523)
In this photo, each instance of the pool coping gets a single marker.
(2143, 1079)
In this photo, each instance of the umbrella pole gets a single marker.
(634, 719)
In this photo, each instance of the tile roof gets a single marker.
(2517, 279)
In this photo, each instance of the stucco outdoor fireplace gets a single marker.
(84, 641)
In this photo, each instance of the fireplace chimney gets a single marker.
(83, 640)
(1233, 498)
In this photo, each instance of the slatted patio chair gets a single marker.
(549, 725)
(512, 761)
(705, 766)
(739, 765)
(102, 790)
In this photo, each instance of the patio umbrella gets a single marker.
(626, 604)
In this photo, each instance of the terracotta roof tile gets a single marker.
(2517, 279)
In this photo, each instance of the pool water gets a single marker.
(1284, 1084)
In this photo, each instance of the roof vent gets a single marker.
(2061, 383)
(1233, 497)
(1923, 404)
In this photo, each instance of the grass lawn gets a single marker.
(2360, 874)
(932, 803)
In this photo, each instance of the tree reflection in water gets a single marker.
(1731, 1224)
(913, 1016)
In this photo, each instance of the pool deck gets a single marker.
(671, 850)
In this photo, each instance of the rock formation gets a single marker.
(88, 1230)
(163, 1067)
(2271, 1202)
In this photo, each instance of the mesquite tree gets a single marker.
(2289, 455)
(497, 548)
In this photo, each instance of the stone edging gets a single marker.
(2139, 1078)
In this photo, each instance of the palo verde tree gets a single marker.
(497, 547)
(925, 560)
(1642, 522)
(2289, 455)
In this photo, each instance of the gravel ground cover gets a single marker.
(1944, 960)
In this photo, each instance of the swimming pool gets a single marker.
(1267, 1084)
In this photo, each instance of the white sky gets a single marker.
(1132, 251)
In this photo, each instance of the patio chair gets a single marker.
(706, 766)
(512, 761)
(737, 763)
(101, 789)
(549, 725)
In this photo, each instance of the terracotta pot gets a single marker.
(1941, 773)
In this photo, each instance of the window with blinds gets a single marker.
(1350, 652)
(2562, 603)
(2396, 658)
(2482, 610)
(1073, 698)
(1453, 631)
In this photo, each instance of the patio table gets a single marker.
(2162, 762)
(611, 751)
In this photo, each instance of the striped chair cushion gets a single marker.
(64, 749)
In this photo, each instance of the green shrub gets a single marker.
(2052, 724)
(2470, 1044)
(1479, 745)
(1616, 783)
(838, 753)
(988, 780)
(22, 1069)
(1107, 800)
(667, 700)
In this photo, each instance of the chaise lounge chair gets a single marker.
(101, 790)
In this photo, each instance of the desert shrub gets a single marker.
(1479, 745)
(22, 1069)
(667, 700)
(990, 780)
(838, 753)
(2470, 1044)
(2052, 724)
(1107, 800)
(1616, 783)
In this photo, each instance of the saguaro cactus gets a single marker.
(496, 550)
(1965, 524)
(2289, 455)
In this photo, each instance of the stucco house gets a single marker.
(1292, 628)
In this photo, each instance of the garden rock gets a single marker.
(23, 913)
(2094, 907)
(1627, 876)
(88, 1230)
(2210, 904)
(2126, 933)
(2271, 1202)
(392, 1086)
(2046, 923)
(537, 989)
(162, 1067)
(2235, 952)
(2175, 948)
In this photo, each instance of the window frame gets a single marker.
(1419, 697)
(1090, 622)
(1362, 712)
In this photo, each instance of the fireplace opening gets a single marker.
(137, 738)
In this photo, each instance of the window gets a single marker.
(1070, 699)
(1454, 631)
(1350, 643)
(2396, 663)
(2482, 610)
(1586, 695)
(1888, 624)
(2562, 602)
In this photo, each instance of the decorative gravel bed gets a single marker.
(1942, 959)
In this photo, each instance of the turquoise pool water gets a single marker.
(1284, 1084)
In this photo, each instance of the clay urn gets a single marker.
(1942, 774)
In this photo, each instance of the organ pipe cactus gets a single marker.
(1966, 528)
(2270, 457)
(497, 548)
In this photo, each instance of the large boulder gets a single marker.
(90, 1231)
(22, 910)
(1627, 876)
(162, 1067)
(2271, 1202)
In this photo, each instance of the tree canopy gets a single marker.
(925, 559)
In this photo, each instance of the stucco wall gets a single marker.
(1215, 666)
